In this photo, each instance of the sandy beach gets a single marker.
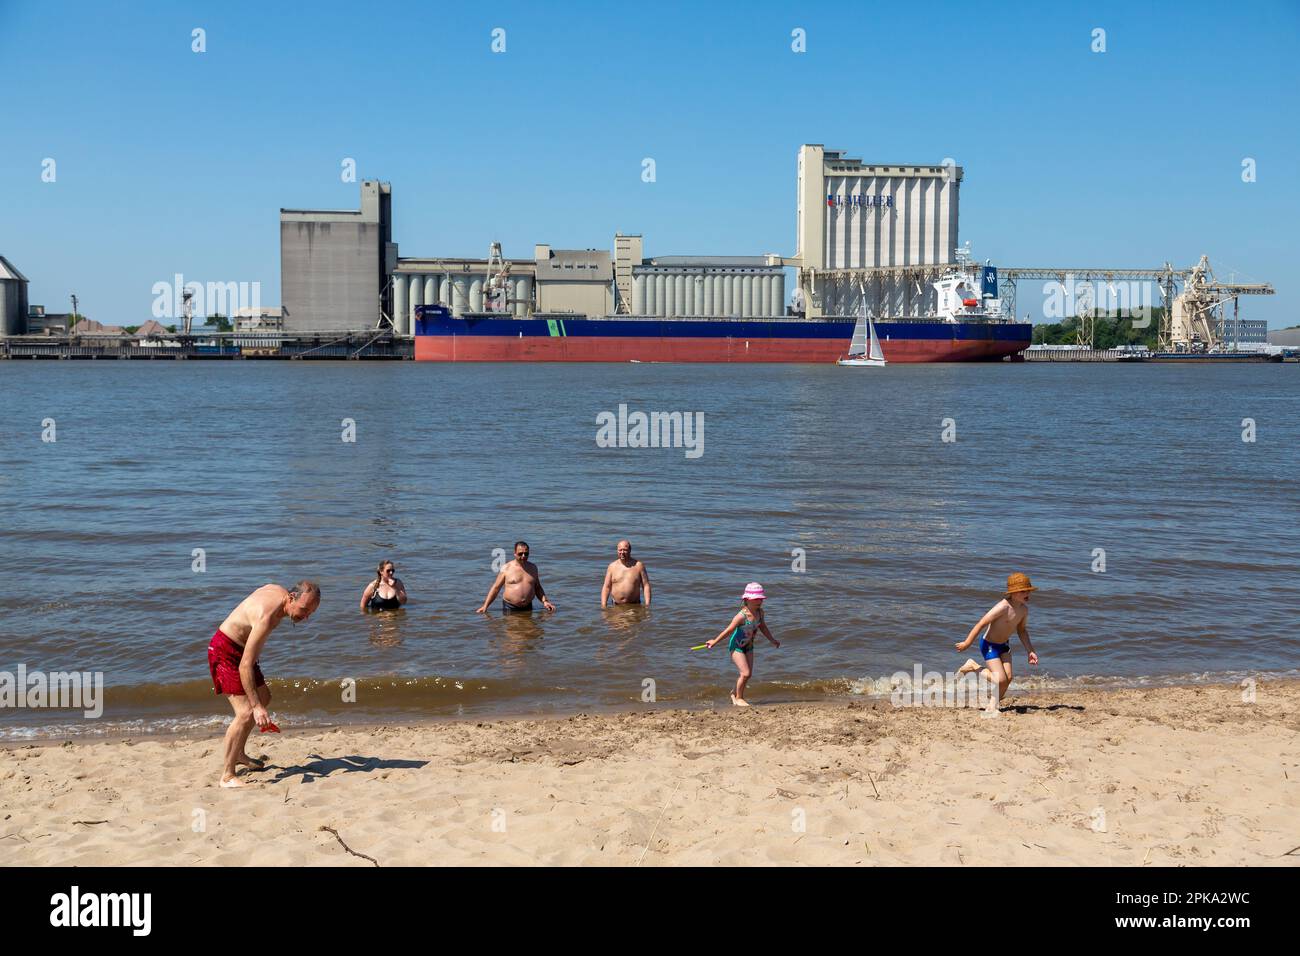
(1164, 776)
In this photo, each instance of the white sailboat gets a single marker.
(865, 347)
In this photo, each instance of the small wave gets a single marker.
(883, 686)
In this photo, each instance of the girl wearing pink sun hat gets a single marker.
(743, 628)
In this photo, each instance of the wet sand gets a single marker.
(1161, 776)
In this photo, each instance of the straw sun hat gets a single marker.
(1019, 582)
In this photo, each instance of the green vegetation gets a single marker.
(221, 323)
(1110, 331)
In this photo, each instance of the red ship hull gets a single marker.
(506, 348)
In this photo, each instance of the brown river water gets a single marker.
(878, 542)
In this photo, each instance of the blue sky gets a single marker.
(173, 161)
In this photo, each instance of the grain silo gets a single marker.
(13, 299)
(872, 236)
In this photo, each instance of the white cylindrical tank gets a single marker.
(400, 320)
(476, 294)
(444, 291)
(650, 295)
(747, 296)
(692, 308)
(679, 294)
(706, 306)
(764, 296)
(638, 295)
(459, 295)
(430, 290)
(415, 296)
(778, 283)
(661, 294)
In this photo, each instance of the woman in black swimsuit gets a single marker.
(385, 592)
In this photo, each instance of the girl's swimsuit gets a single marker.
(742, 638)
(377, 603)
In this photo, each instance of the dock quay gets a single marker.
(1076, 353)
(369, 345)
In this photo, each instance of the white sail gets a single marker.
(858, 354)
(859, 344)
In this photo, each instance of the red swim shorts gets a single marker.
(224, 656)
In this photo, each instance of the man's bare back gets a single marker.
(265, 606)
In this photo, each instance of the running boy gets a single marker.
(743, 628)
(1008, 615)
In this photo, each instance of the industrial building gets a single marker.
(340, 270)
(900, 221)
(588, 282)
(870, 238)
(13, 299)
(334, 264)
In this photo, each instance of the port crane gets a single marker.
(1196, 321)
(496, 288)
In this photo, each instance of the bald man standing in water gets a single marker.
(232, 660)
(626, 579)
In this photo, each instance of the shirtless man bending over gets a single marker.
(625, 579)
(520, 582)
(232, 660)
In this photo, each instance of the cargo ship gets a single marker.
(967, 326)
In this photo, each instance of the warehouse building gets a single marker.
(575, 281)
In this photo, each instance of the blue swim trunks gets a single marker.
(991, 651)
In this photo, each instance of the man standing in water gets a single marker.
(232, 660)
(626, 579)
(520, 580)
